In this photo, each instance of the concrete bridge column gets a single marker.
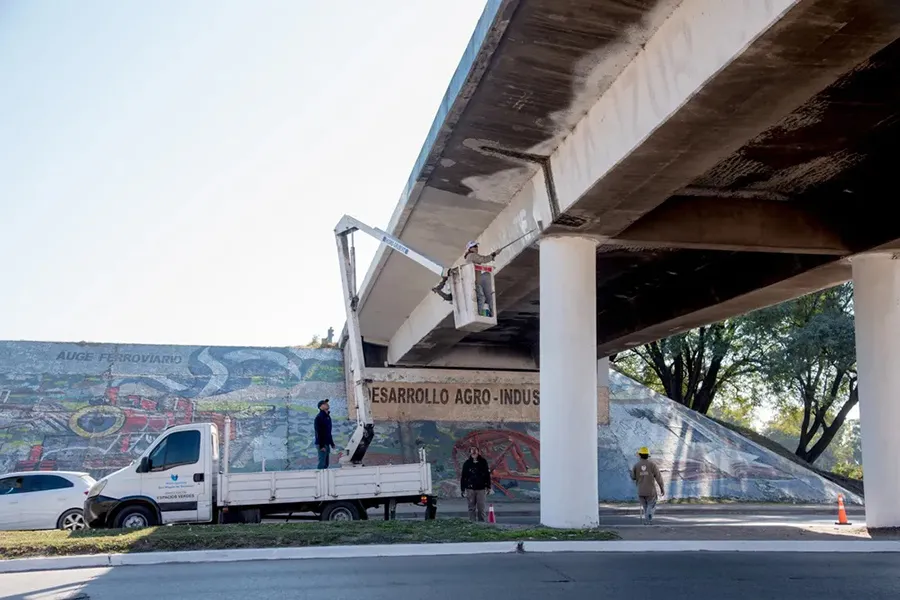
(603, 391)
(568, 359)
(876, 299)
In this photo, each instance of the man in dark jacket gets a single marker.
(475, 483)
(324, 441)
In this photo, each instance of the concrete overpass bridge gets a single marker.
(689, 160)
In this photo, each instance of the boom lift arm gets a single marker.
(365, 426)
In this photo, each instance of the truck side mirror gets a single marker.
(146, 465)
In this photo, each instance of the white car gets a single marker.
(43, 500)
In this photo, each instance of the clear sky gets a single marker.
(171, 172)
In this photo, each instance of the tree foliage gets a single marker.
(849, 450)
(843, 455)
(810, 363)
(737, 408)
(800, 355)
(318, 342)
(694, 367)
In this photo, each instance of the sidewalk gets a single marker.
(457, 507)
(689, 522)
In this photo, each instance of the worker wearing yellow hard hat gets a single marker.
(647, 477)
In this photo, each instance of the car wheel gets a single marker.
(340, 511)
(71, 520)
(134, 517)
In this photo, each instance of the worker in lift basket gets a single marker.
(324, 441)
(484, 290)
(646, 476)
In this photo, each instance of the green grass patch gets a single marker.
(22, 544)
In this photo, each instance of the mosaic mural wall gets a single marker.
(95, 407)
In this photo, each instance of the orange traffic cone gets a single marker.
(491, 517)
(842, 513)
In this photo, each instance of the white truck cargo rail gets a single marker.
(325, 485)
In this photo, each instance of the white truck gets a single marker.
(181, 479)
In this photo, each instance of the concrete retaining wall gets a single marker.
(96, 407)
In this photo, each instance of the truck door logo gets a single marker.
(174, 477)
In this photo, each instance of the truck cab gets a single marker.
(173, 481)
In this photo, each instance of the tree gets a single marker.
(849, 449)
(736, 408)
(693, 367)
(810, 363)
(842, 456)
(848, 452)
(318, 342)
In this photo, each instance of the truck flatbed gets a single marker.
(269, 489)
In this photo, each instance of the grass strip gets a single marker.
(22, 544)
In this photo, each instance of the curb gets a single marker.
(788, 510)
(781, 546)
(48, 563)
(22, 565)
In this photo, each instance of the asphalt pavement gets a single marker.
(670, 576)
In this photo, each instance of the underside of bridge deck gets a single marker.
(719, 155)
(774, 218)
(756, 188)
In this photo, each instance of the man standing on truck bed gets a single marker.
(324, 441)
(475, 483)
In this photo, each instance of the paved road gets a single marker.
(676, 576)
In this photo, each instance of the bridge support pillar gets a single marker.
(568, 359)
(876, 300)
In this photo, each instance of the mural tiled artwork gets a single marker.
(96, 407)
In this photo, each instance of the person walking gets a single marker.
(324, 441)
(475, 483)
(484, 289)
(646, 476)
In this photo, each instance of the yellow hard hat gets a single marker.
(644, 450)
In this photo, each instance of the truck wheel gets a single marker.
(341, 511)
(134, 517)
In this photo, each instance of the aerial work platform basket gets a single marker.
(464, 279)
(466, 313)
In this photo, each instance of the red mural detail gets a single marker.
(34, 462)
(507, 453)
(139, 419)
(35, 453)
